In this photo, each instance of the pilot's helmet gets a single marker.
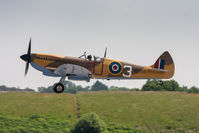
(89, 57)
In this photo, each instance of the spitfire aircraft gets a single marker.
(88, 67)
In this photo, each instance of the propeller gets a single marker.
(27, 58)
(105, 53)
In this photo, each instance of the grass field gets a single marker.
(153, 111)
(24, 104)
(148, 111)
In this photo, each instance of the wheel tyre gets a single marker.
(58, 88)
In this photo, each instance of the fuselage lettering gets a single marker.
(129, 71)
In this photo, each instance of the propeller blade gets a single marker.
(29, 48)
(27, 58)
(105, 53)
(27, 67)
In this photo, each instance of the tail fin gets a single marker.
(165, 64)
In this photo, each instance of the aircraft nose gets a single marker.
(25, 57)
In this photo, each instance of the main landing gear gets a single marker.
(59, 87)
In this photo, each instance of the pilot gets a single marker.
(89, 57)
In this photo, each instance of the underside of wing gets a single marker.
(74, 72)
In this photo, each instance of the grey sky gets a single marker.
(137, 31)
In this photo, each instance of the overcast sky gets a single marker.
(136, 31)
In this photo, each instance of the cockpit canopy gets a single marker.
(91, 57)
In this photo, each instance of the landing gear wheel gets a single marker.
(58, 88)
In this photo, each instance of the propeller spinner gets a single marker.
(27, 57)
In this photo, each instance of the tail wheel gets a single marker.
(58, 88)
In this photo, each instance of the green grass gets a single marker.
(151, 111)
(33, 124)
(24, 104)
(122, 111)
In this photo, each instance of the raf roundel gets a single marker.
(115, 68)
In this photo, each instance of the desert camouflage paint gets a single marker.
(106, 68)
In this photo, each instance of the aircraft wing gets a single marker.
(74, 72)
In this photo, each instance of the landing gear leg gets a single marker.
(59, 87)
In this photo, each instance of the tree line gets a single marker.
(5, 88)
(150, 85)
(169, 85)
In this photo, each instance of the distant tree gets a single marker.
(193, 90)
(28, 89)
(80, 88)
(151, 86)
(97, 86)
(134, 89)
(185, 88)
(5, 88)
(123, 89)
(46, 90)
(171, 85)
(71, 90)
(69, 84)
(113, 88)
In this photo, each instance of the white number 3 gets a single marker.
(129, 71)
